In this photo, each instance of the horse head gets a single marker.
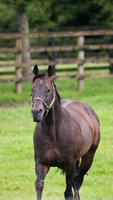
(43, 93)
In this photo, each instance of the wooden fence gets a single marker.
(80, 47)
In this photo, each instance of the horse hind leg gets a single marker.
(86, 162)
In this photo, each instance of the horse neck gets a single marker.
(53, 118)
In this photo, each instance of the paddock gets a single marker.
(16, 149)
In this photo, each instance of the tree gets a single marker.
(82, 13)
(20, 7)
(39, 13)
(52, 14)
(7, 18)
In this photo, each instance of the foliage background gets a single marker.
(44, 14)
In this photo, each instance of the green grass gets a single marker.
(10, 97)
(17, 175)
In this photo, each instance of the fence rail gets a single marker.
(58, 34)
(59, 48)
(80, 48)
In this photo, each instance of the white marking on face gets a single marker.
(41, 82)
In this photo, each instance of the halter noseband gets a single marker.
(48, 107)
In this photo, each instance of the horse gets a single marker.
(66, 135)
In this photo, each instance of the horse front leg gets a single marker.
(41, 172)
(68, 194)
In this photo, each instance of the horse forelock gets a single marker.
(41, 74)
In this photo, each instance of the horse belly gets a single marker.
(86, 137)
(87, 140)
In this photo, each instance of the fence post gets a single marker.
(18, 62)
(81, 56)
(110, 52)
(52, 54)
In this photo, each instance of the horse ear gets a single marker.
(35, 70)
(50, 70)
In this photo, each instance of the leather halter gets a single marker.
(48, 107)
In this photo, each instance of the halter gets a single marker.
(48, 107)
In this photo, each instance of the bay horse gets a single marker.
(66, 135)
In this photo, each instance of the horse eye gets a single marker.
(49, 90)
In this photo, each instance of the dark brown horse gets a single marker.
(67, 135)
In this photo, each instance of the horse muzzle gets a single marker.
(37, 115)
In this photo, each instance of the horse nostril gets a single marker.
(37, 115)
(40, 110)
(37, 112)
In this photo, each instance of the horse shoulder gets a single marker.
(69, 132)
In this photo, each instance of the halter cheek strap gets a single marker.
(45, 104)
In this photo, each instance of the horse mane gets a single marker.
(57, 94)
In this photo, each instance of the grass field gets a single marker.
(17, 175)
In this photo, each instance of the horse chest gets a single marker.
(51, 156)
(54, 156)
